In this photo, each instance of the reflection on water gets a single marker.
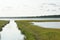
(11, 32)
(48, 24)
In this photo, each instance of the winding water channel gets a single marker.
(11, 32)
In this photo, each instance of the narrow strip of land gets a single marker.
(39, 20)
(3, 23)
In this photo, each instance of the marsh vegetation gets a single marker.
(3, 23)
(34, 32)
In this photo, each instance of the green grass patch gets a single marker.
(39, 20)
(33, 32)
(2, 24)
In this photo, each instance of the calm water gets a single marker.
(31, 19)
(48, 24)
(11, 32)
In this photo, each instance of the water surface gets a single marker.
(11, 32)
(30, 18)
(48, 24)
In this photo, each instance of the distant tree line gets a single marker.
(46, 16)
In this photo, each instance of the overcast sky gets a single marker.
(29, 7)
